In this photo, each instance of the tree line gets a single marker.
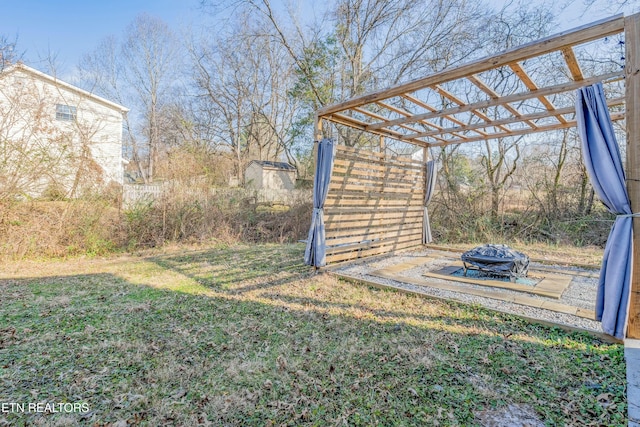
(247, 86)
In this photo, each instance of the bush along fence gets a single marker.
(135, 194)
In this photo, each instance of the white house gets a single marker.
(53, 133)
(262, 174)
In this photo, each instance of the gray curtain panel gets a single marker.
(601, 157)
(430, 185)
(314, 254)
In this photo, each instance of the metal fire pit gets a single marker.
(498, 260)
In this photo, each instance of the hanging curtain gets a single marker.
(430, 185)
(314, 254)
(602, 160)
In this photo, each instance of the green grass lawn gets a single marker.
(247, 336)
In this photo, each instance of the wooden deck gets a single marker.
(552, 286)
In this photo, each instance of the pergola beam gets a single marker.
(379, 117)
(408, 114)
(572, 62)
(432, 109)
(360, 125)
(461, 103)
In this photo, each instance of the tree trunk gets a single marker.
(495, 203)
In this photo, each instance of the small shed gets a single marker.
(262, 174)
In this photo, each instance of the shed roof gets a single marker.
(524, 90)
(274, 165)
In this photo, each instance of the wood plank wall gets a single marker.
(374, 205)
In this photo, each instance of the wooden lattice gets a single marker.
(374, 204)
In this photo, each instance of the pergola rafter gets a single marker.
(528, 82)
(526, 118)
(451, 97)
(407, 114)
(572, 63)
(494, 95)
(432, 109)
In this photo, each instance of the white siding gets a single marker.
(28, 110)
(279, 179)
(253, 176)
(259, 176)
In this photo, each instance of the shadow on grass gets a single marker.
(247, 354)
(453, 313)
(239, 269)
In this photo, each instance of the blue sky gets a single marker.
(70, 28)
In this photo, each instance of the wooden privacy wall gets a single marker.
(374, 204)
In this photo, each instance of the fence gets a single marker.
(133, 194)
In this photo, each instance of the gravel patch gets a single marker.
(581, 291)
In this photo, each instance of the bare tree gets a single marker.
(508, 27)
(386, 42)
(102, 71)
(140, 71)
(499, 168)
(8, 51)
(223, 93)
(150, 52)
(241, 85)
(611, 6)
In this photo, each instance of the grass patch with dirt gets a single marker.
(246, 335)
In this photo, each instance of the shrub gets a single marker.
(57, 228)
(228, 217)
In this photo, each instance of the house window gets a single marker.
(66, 112)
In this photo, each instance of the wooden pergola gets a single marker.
(525, 90)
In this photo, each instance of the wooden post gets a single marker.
(632, 84)
(382, 146)
(425, 159)
(317, 137)
(317, 128)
